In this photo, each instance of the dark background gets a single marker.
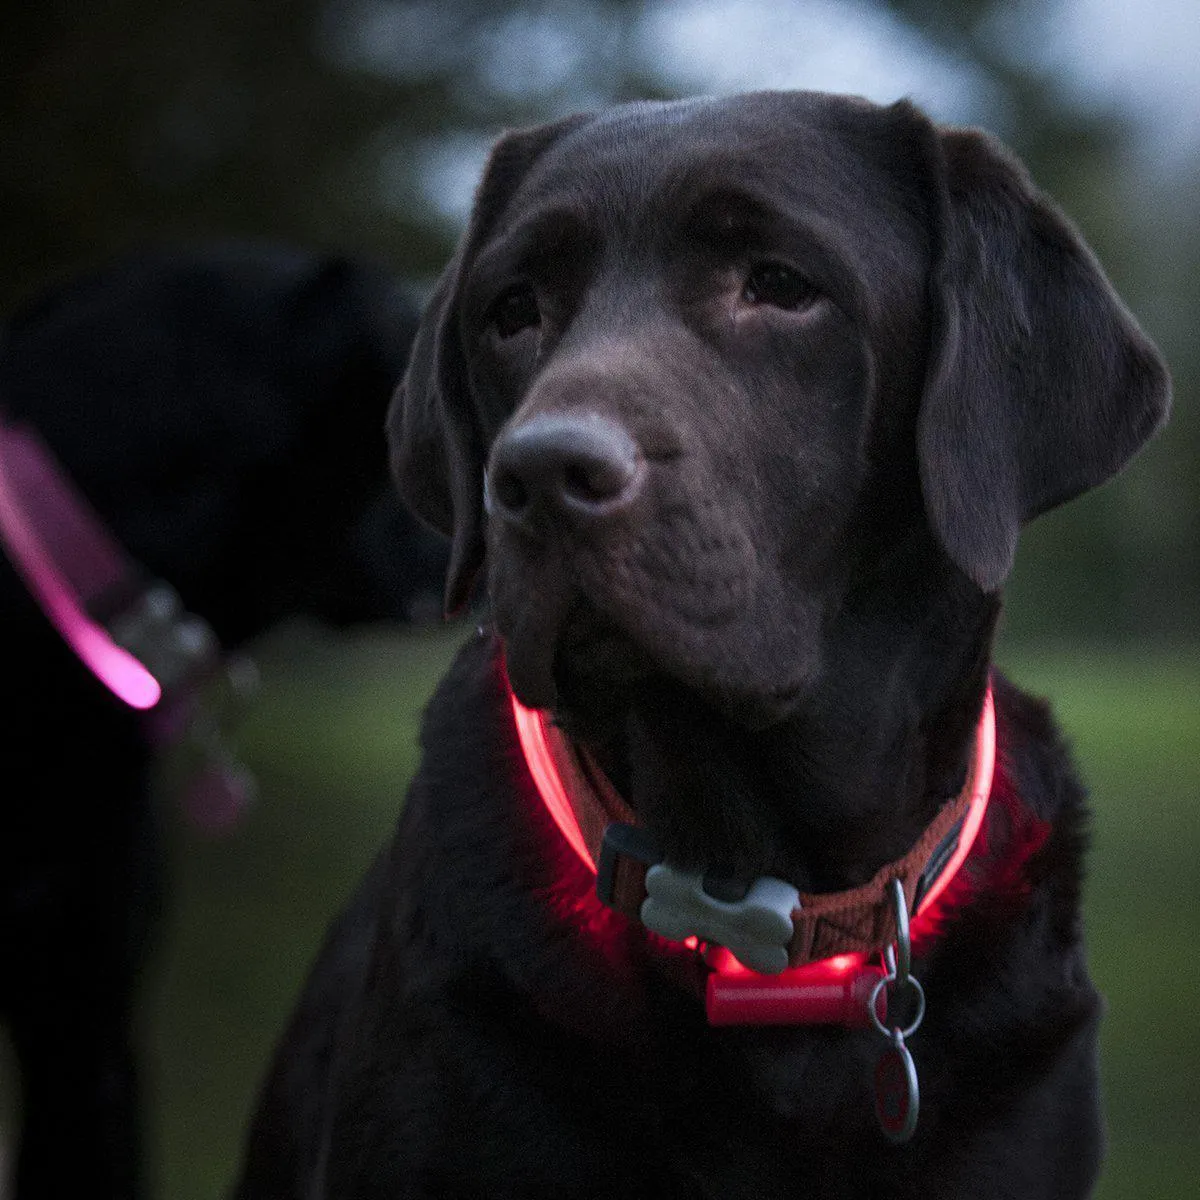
(359, 125)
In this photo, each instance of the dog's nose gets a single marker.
(580, 464)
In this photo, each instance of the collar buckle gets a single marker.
(177, 647)
(627, 852)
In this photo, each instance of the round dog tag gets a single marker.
(897, 1098)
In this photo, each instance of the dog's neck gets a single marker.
(850, 778)
(885, 738)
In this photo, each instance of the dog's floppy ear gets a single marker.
(435, 441)
(438, 441)
(1040, 383)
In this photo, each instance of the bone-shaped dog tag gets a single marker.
(755, 930)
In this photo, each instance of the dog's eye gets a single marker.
(514, 310)
(779, 286)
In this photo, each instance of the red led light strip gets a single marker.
(833, 990)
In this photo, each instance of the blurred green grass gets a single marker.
(332, 740)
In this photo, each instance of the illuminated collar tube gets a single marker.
(32, 487)
(831, 990)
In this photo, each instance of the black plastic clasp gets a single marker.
(938, 861)
(622, 840)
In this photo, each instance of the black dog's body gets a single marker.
(474, 1040)
(221, 411)
(764, 389)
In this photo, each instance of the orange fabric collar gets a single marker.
(835, 934)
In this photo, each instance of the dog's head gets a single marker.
(699, 369)
(222, 407)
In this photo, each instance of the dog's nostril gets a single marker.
(584, 464)
(595, 481)
(509, 491)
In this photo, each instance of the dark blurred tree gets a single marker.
(341, 123)
(1125, 561)
(136, 119)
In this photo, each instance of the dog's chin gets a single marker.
(569, 661)
(591, 672)
(529, 659)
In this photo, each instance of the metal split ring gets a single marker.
(898, 959)
(918, 1014)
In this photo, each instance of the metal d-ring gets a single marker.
(898, 959)
(902, 963)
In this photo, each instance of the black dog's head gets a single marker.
(223, 408)
(731, 392)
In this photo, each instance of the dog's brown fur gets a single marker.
(853, 352)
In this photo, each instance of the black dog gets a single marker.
(222, 410)
(742, 402)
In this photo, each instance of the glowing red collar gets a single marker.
(830, 987)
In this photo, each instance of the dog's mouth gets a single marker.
(680, 749)
(572, 660)
(589, 670)
(608, 692)
(595, 665)
(667, 747)
(595, 627)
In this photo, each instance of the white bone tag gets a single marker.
(755, 930)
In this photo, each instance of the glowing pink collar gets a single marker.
(149, 652)
(831, 976)
(64, 554)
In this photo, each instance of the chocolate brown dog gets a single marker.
(740, 405)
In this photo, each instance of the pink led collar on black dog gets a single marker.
(64, 555)
(147, 651)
